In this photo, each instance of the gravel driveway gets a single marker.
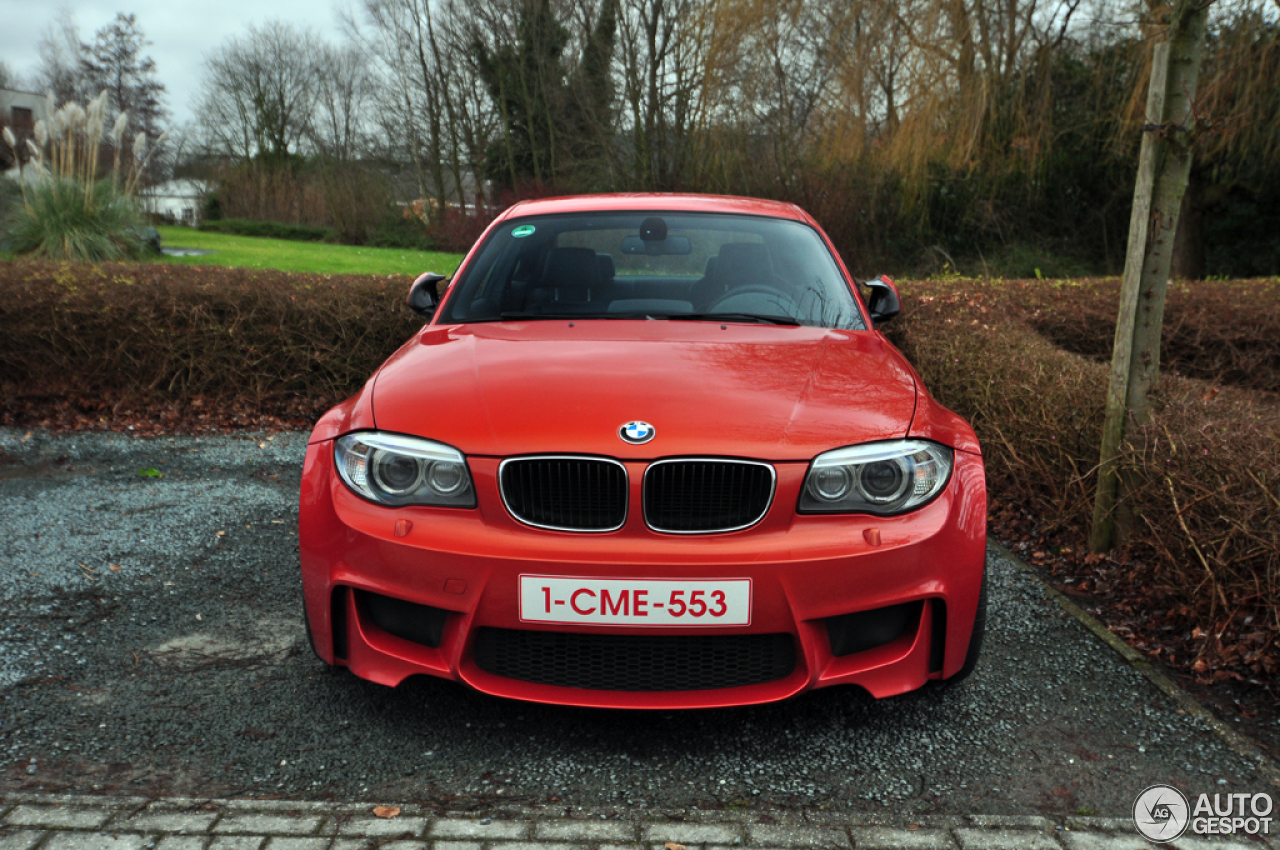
(152, 643)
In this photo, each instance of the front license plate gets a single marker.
(635, 602)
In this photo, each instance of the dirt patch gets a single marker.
(270, 641)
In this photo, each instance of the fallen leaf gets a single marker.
(671, 845)
(394, 811)
(115, 568)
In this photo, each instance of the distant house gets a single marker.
(178, 201)
(19, 111)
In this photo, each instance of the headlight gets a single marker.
(876, 478)
(394, 470)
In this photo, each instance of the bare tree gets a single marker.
(432, 106)
(675, 57)
(344, 92)
(400, 38)
(258, 93)
(59, 68)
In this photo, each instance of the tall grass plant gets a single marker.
(69, 210)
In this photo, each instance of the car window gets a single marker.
(654, 265)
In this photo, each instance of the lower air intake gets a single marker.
(600, 662)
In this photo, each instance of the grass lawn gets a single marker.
(258, 253)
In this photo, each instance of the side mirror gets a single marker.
(423, 299)
(883, 301)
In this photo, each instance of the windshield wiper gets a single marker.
(754, 318)
(735, 317)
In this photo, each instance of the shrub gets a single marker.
(352, 199)
(58, 224)
(172, 331)
(1218, 331)
(402, 231)
(357, 195)
(10, 203)
(1032, 261)
(272, 190)
(67, 213)
(1205, 484)
(457, 230)
(271, 230)
(1204, 476)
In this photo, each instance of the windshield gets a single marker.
(655, 265)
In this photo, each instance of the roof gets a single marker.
(658, 201)
(44, 95)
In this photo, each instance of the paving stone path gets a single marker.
(48, 822)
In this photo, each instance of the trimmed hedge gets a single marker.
(179, 331)
(1204, 476)
(271, 230)
(1205, 559)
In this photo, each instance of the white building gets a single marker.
(179, 201)
(19, 111)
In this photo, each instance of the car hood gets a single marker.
(759, 391)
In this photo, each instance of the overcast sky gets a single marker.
(181, 32)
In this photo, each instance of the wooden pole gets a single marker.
(1164, 166)
(1102, 531)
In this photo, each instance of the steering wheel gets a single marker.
(781, 298)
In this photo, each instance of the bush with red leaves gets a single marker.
(192, 348)
(1199, 581)
(202, 344)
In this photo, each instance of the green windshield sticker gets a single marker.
(523, 231)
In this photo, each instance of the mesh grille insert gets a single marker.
(605, 662)
(690, 496)
(571, 493)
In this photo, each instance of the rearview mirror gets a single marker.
(883, 300)
(423, 298)
(671, 246)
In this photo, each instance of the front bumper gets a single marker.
(804, 570)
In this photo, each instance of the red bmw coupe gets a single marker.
(649, 451)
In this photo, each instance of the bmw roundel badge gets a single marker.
(637, 433)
